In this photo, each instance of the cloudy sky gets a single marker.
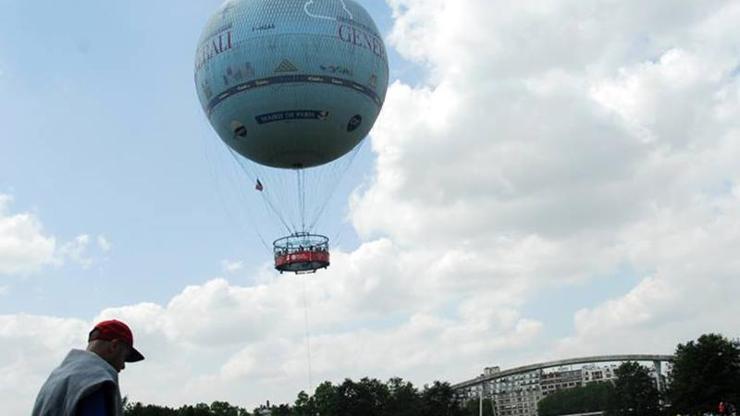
(547, 179)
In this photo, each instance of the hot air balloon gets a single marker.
(292, 87)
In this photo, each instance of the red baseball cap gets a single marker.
(115, 329)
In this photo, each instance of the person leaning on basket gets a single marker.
(86, 382)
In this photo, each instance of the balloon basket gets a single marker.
(301, 253)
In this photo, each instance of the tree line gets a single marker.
(705, 372)
(366, 397)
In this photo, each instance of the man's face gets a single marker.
(119, 350)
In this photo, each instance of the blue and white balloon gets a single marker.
(291, 83)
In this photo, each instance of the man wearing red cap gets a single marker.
(86, 383)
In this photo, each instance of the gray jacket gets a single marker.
(80, 374)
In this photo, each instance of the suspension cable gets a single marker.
(308, 337)
(335, 186)
(302, 197)
(240, 190)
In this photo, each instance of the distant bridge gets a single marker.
(657, 359)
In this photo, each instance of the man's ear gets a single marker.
(114, 345)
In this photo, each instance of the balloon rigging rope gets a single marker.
(302, 197)
(240, 191)
(342, 174)
(265, 198)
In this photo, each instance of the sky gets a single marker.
(547, 179)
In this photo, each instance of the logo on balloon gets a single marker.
(362, 39)
(214, 46)
(292, 115)
(354, 123)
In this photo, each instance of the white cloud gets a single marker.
(229, 266)
(103, 244)
(76, 251)
(560, 141)
(691, 290)
(247, 344)
(80, 251)
(24, 248)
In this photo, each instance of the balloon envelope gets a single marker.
(291, 83)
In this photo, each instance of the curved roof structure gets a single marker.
(561, 363)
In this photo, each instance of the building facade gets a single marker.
(518, 394)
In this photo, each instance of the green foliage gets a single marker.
(138, 409)
(200, 409)
(223, 409)
(440, 400)
(634, 392)
(367, 397)
(326, 399)
(281, 410)
(705, 372)
(593, 397)
(304, 405)
(404, 399)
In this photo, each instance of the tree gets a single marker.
(593, 397)
(634, 392)
(439, 399)
(133, 409)
(281, 410)
(200, 409)
(326, 399)
(223, 409)
(304, 405)
(705, 372)
(404, 398)
(367, 397)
